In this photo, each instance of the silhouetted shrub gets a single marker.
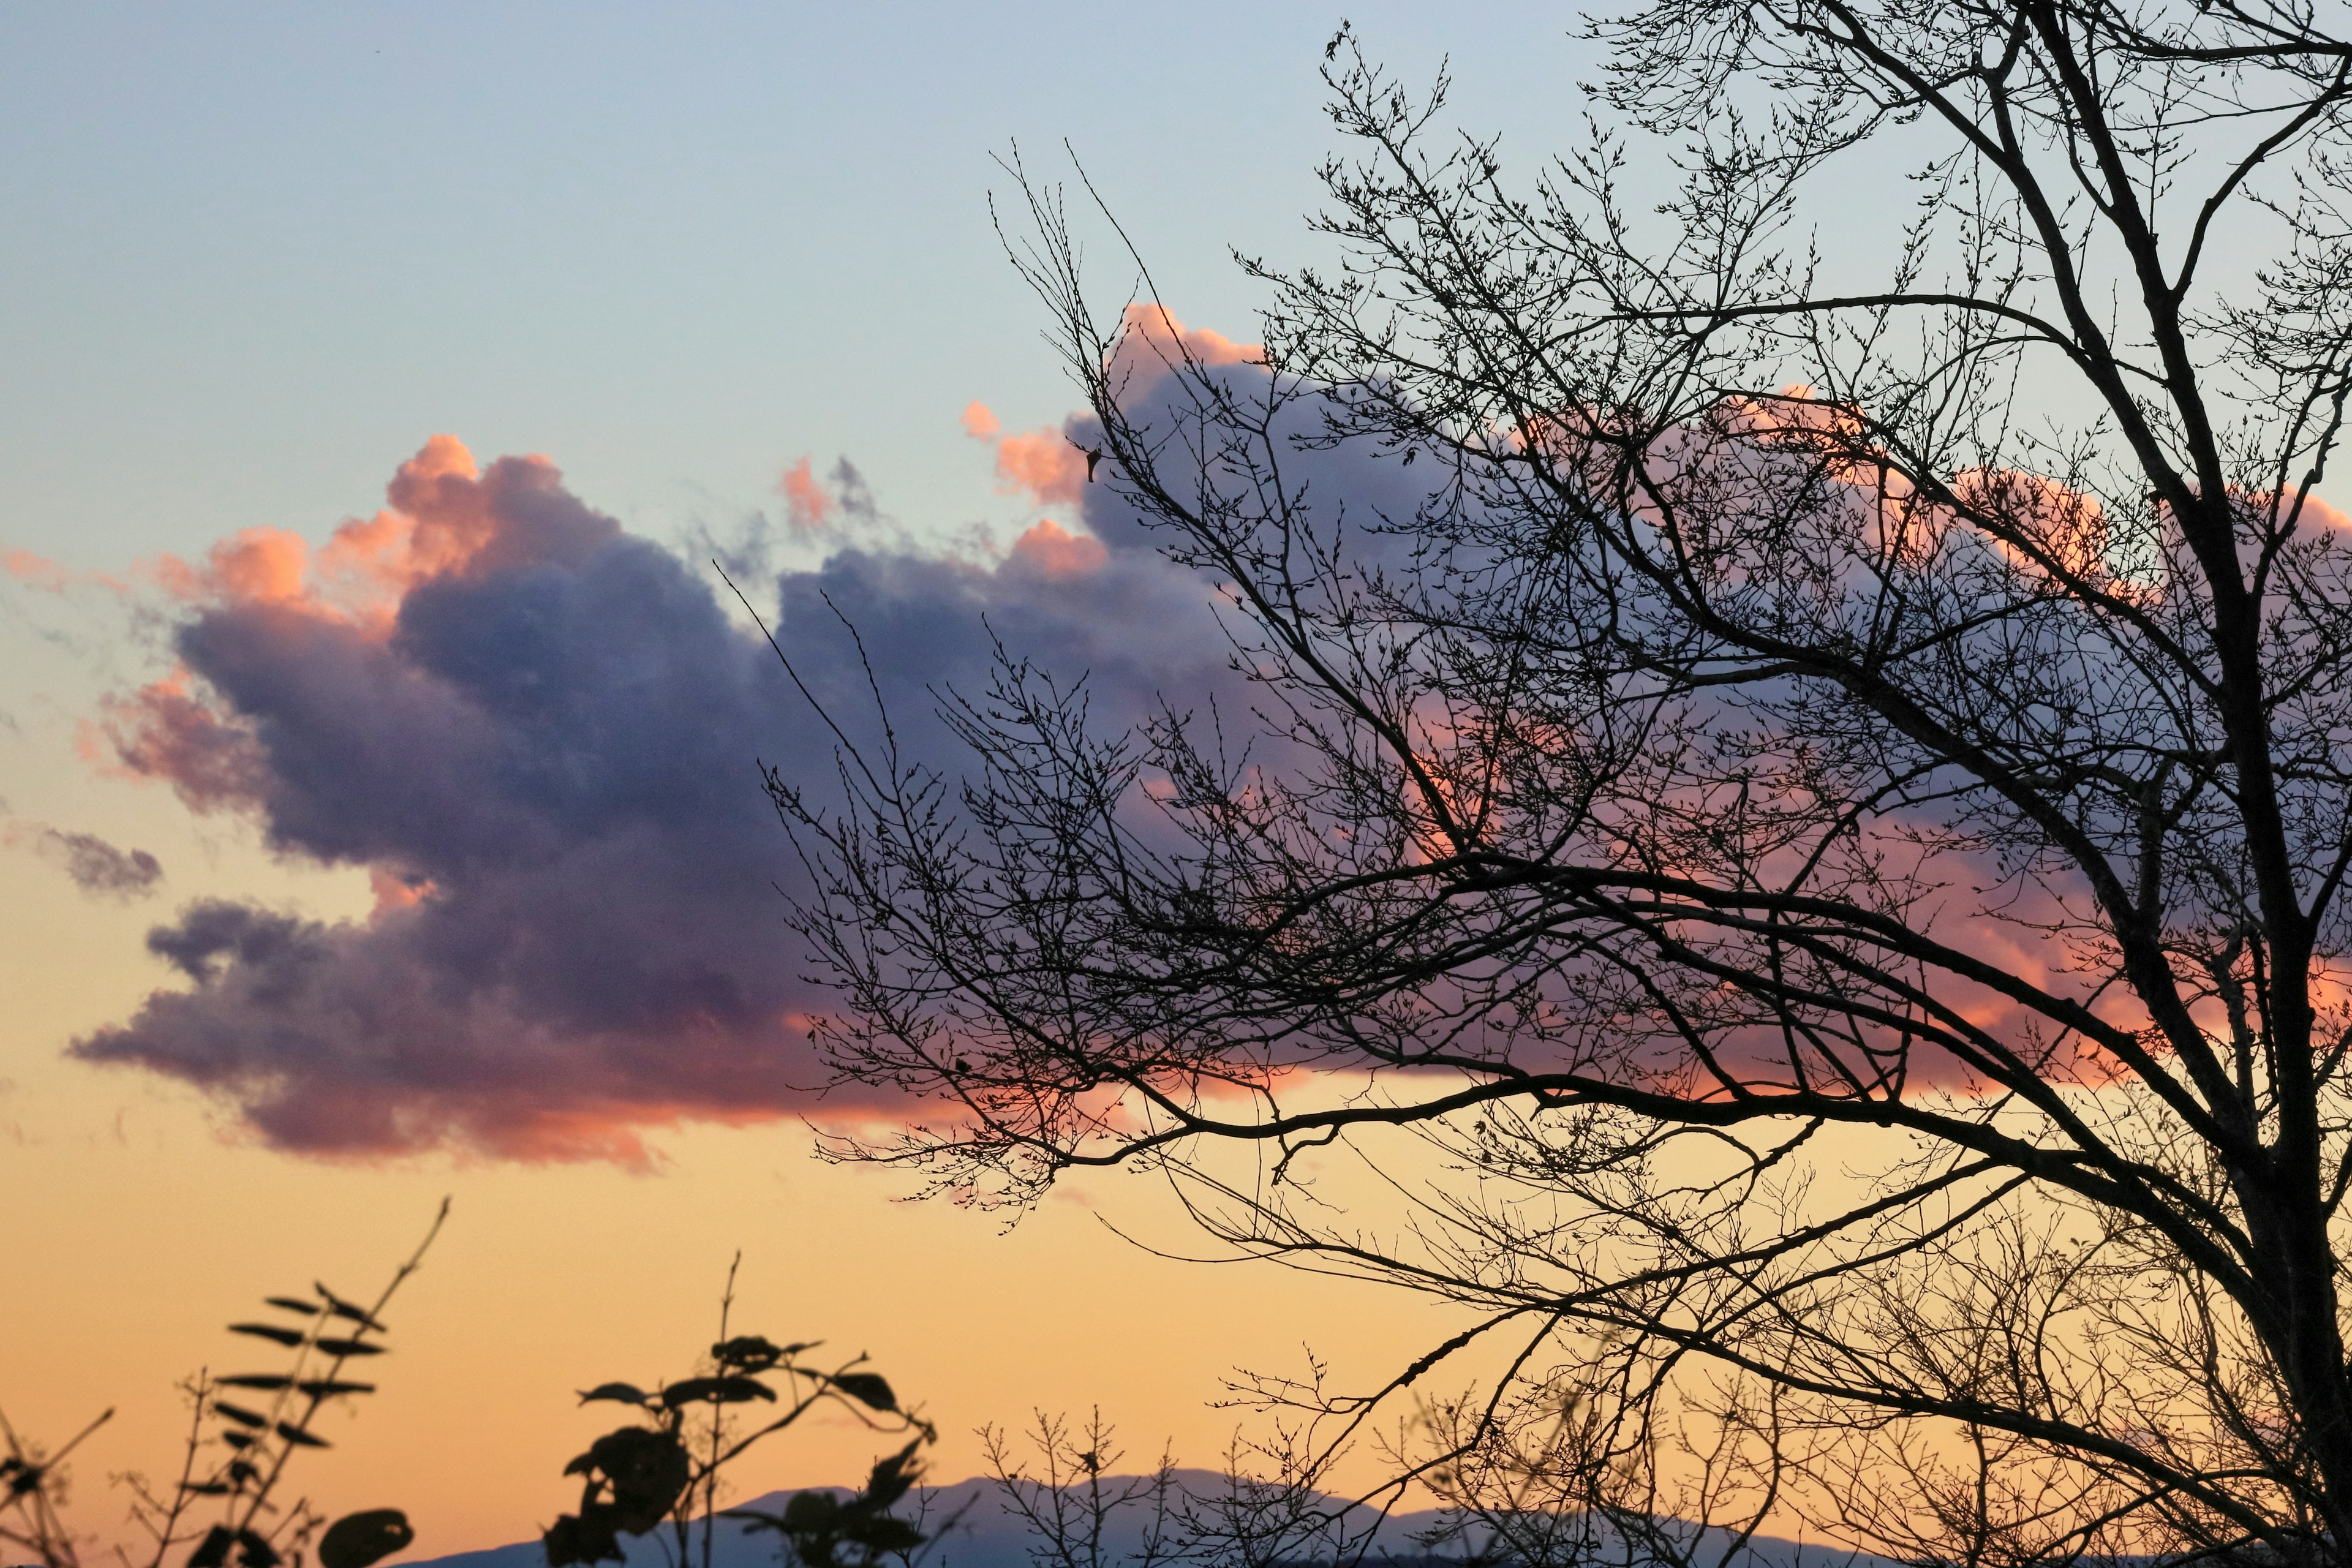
(668, 1462)
(244, 1430)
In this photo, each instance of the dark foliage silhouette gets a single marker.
(666, 1467)
(244, 1431)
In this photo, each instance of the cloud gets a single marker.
(1151, 338)
(96, 867)
(1048, 465)
(1051, 550)
(537, 734)
(805, 503)
(39, 572)
(1044, 464)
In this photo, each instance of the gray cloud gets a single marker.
(540, 738)
(543, 745)
(96, 867)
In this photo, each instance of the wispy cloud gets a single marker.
(96, 867)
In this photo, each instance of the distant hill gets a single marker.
(986, 1533)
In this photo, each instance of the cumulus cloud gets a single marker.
(538, 735)
(1043, 463)
(96, 867)
(1048, 465)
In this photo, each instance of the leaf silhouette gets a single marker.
(358, 1539)
(268, 1332)
(754, 1521)
(299, 1438)
(646, 1470)
(342, 1309)
(262, 1380)
(349, 1347)
(619, 1392)
(239, 1413)
(254, 1551)
(893, 1477)
(821, 1531)
(868, 1388)
(213, 1553)
(754, 1352)
(885, 1535)
(720, 1390)
(329, 1387)
(292, 1304)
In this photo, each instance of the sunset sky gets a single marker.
(502, 321)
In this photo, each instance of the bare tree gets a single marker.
(1567, 1470)
(1078, 1510)
(1811, 853)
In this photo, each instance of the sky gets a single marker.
(491, 323)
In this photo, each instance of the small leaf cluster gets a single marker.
(636, 1477)
(821, 1531)
(268, 1422)
(244, 1430)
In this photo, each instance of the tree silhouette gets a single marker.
(1812, 852)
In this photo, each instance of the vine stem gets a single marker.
(717, 1409)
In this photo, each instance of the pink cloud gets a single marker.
(1047, 464)
(35, 571)
(45, 575)
(805, 503)
(1044, 464)
(434, 522)
(259, 566)
(393, 890)
(534, 734)
(2317, 513)
(1152, 338)
(1052, 551)
(437, 518)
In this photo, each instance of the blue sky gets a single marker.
(256, 254)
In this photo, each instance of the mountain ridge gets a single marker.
(977, 1528)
